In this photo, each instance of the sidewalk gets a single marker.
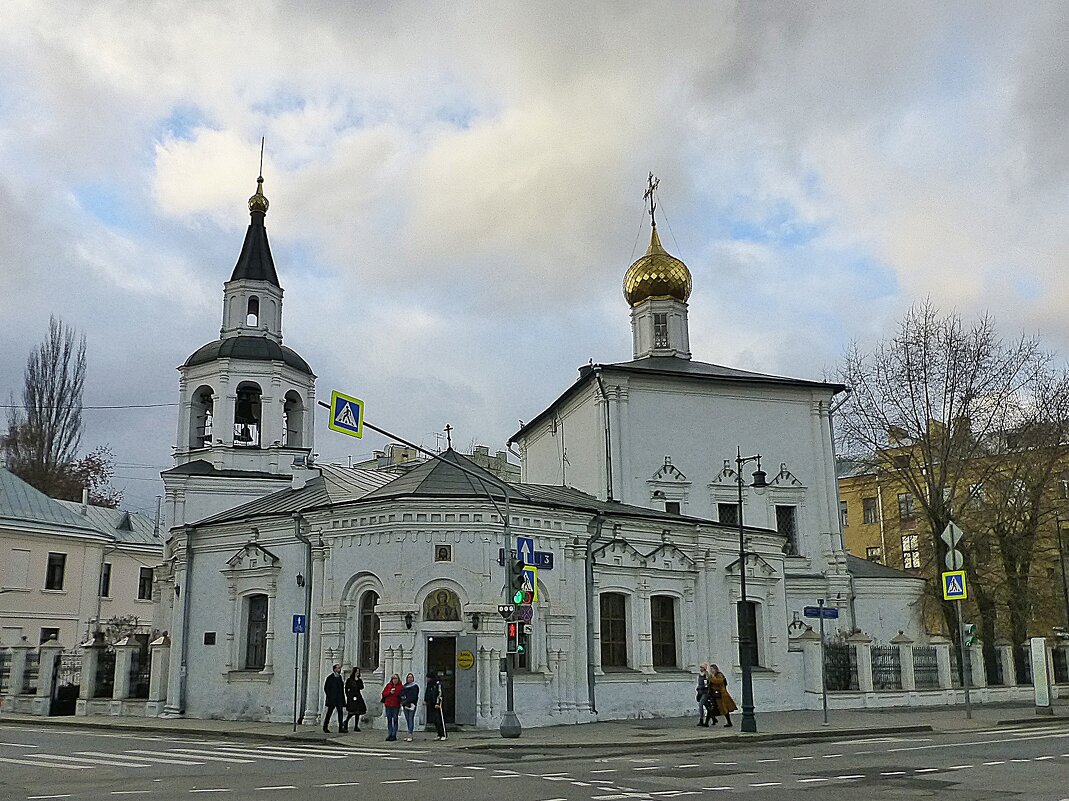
(620, 735)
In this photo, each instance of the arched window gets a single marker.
(369, 631)
(247, 416)
(252, 315)
(201, 411)
(613, 630)
(293, 420)
(256, 632)
(441, 605)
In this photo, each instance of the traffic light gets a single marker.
(968, 634)
(512, 637)
(516, 580)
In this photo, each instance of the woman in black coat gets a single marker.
(354, 700)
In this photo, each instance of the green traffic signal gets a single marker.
(969, 634)
(518, 597)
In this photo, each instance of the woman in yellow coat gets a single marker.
(719, 697)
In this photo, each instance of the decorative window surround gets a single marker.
(252, 570)
(669, 484)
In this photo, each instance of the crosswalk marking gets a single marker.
(252, 754)
(129, 763)
(279, 751)
(34, 763)
(142, 758)
(206, 755)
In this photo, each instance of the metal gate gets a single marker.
(66, 683)
(925, 667)
(886, 667)
(104, 681)
(5, 671)
(840, 666)
(139, 673)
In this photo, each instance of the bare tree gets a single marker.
(935, 407)
(44, 433)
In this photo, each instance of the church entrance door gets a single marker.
(442, 661)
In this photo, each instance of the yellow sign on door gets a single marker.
(465, 660)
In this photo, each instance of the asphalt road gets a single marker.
(40, 762)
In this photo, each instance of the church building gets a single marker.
(629, 491)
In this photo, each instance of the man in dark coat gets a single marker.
(334, 688)
(433, 697)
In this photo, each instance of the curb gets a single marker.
(729, 741)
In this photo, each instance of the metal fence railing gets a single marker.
(1060, 657)
(886, 667)
(926, 667)
(139, 674)
(1024, 666)
(5, 671)
(840, 666)
(104, 680)
(33, 668)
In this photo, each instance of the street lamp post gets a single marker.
(749, 720)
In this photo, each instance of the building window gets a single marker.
(787, 526)
(252, 314)
(911, 552)
(613, 630)
(256, 633)
(728, 513)
(660, 330)
(16, 570)
(905, 506)
(869, 510)
(748, 632)
(105, 580)
(57, 564)
(663, 620)
(873, 554)
(369, 631)
(672, 507)
(49, 634)
(144, 584)
(901, 461)
(844, 520)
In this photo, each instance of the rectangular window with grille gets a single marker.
(144, 584)
(787, 526)
(57, 566)
(728, 513)
(873, 554)
(613, 630)
(748, 640)
(663, 620)
(256, 633)
(911, 552)
(869, 510)
(905, 506)
(660, 330)
(672, 507)
(105, 580)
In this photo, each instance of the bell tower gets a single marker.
(246, 401)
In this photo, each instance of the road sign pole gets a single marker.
(966, 667)
(823, 684)
(296, 674)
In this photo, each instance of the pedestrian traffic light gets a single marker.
(968, 634)
(512, 637)
(516, 580)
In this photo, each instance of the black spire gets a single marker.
(255, 262)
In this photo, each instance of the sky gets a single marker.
(457, 190)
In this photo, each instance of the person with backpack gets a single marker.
(719, 697)
(434, 699)
(409, 699)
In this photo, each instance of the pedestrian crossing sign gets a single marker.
(346, 414)
(954, 588)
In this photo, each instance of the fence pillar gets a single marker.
(905, 658)
(976, 663)
(862, 645)
(49, 651)
(942, 657)
(812, 660)
(160, 655)
(124, 657)
(1004, 653)
(16, 681)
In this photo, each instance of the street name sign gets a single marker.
(826, 612)
(346, 414)
(954, 587)
(300, 624)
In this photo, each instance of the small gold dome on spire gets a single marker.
(657, 275)
(258, 202)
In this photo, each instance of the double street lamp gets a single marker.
(745, 611)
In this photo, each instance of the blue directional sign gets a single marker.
(346, 414)
(826, 612)
(525, 550)
(300, 624)
(543, 560)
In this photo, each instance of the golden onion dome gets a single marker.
(657, 275)
(258, 202)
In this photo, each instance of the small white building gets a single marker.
(629, 490)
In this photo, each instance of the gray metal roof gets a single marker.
(863, 568)
(128, 528)
(20, 503)
(248, 348)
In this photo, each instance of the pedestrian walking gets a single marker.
(334, 688)
(720, 698)
(702, 694)
(391, 705)
(409, 699)
(434, 700)
(354, 699)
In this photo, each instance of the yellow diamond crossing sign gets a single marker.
(954, 588)
(346, 414)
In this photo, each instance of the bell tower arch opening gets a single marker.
(201, 413)
(252, 312)
(293, 419)
(248, 414)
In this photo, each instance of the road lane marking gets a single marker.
(851, 776)
(810, 781)
(339, 784)
(648, 767)
(65, 795)
(926, 770)
(604, 770)
(802, 757)
(279, 787)
(1040, 759)
(689, 765)
(831, 756)
(725, 787)
(456, 778)
(212, 790)
(897, 772)
(140, 758)
(130, 792)
(768, 760)
(996, 762)
(21, 745)
(960, 767)
(767, 784)
(399, 781)
(36, 764)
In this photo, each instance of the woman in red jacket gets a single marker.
(391, 704)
